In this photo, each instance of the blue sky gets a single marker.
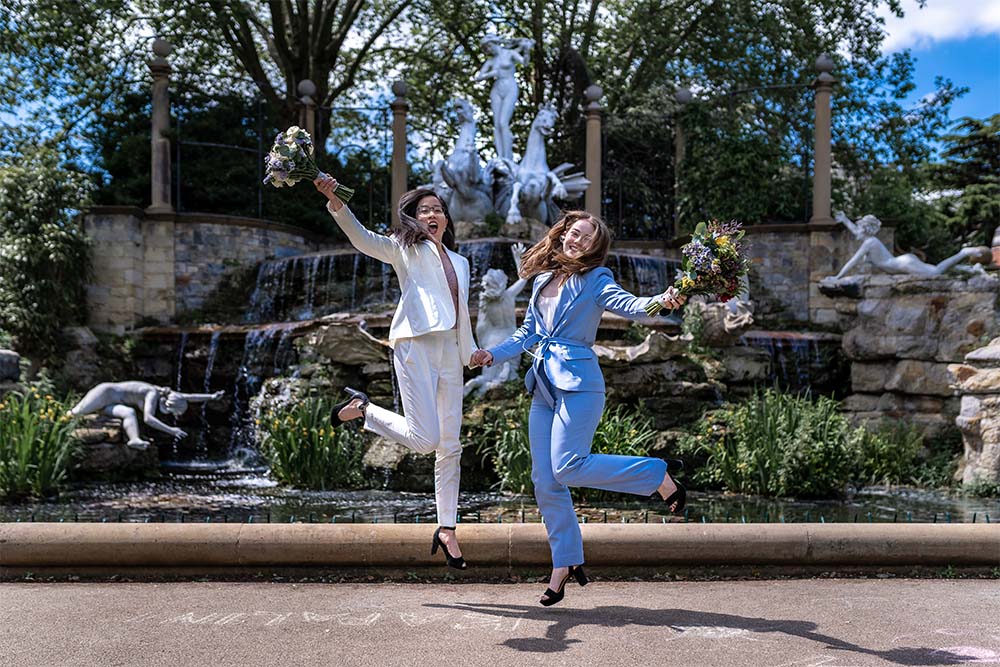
(957, 39)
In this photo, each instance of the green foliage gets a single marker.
(890, 455)
(36, 444)
(778, 444)
(304, 451)
(502, 435)
(44, 256)
(971, 167)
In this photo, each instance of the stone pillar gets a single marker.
(823, 152)
(399, 108)
(160, 165)
(592, 167)
(683, 98)
(307, 114)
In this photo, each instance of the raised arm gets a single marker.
(842, 218)
(517, 250)
(374, 245)
(612, 296)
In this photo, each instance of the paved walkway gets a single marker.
(789, 623)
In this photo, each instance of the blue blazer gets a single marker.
(565, 354)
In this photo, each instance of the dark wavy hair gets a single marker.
(410, 231)
(547, 255)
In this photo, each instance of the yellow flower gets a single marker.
(722, 240)
(687, 282)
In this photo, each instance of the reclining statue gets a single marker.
(121, 400)
(873, 250)
(497, 319)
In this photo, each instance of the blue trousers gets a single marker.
(561, 436)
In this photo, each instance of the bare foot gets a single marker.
(450, 540)
(351, 411)
(667, 487)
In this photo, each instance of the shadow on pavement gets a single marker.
(561, 621)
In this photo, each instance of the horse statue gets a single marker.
(526, 189)
(459, 181)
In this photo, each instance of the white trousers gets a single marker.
(429, 375)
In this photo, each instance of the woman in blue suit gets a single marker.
(571, 291)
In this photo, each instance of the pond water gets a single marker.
(251, 496)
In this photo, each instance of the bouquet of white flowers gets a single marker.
(291, 160)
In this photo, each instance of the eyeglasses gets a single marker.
(424, 211)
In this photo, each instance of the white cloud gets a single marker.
(940, 20)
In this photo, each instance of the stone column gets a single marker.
(307, 114)
(823, 153)
(160, 166)
(683, 98)
(592, 167)
(399, 108)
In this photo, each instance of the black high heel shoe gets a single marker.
(679, 496)
(674, 465)
(457, 563)
(551, 597)
(335, 419)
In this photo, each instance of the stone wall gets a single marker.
(150, 267)
(902, 332)
(207, 246)
(977, 381)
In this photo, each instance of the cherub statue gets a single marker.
(497, 319)
(873, 250)
(122, 399)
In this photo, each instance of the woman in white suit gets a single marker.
(431, 337)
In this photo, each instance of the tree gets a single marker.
(43, 252)
(970, 176)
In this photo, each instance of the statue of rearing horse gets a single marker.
(459, 180)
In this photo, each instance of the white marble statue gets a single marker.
(528, 188)
(875, 252)
(496, 321)
(121, 400)
(504, 57)
(459, 180)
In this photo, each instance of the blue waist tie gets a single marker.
(543, 385)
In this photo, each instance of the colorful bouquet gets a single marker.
(291, 160)
(714, 263)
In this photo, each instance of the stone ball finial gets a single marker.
(306, 88)
(162, 48)
(824, 63)
(593, 93)
(399, 88)
(683, 96)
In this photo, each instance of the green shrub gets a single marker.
(502, 435)
(890, 455)
(304, 451)
(774, 444)
(779, 444)
(44, 255)
(36, 444)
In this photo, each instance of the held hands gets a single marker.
(327, 184)
(672, 299)
(481, 358)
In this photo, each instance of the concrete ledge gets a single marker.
(118, 546)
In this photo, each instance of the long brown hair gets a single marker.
(410, 231)
(547, 254)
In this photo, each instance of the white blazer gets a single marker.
(425, 304)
